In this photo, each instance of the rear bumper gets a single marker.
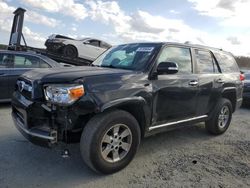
(246, 92)
(246, 96)
(238, 103)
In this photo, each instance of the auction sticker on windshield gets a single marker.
(145, 49)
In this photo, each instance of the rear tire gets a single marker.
(221, 118)
(110, 141)
(70, 51)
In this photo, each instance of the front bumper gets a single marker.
(38, 135)
(45, 124)
(37, 132)
(54, 46)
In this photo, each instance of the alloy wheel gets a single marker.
(223, 116)
(116, 143)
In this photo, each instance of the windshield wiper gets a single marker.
(108, 66)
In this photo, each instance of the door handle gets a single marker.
(220, 81)
(193, 83)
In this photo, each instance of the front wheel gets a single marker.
(70, 51)
(109, 141)
(221, 119)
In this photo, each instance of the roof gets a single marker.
(89, 38)
(182, 44)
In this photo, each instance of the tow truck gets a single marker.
(16, 37)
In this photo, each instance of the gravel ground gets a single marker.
(186, 157)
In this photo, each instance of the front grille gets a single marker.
(27, 94)
(24, 87)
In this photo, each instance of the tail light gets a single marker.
(242, 77)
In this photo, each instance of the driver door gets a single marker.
(175, 95)
(91, 49)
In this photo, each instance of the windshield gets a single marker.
(129, 56)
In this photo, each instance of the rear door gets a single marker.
(5, 62)
(210, 80)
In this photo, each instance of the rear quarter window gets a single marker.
(226, 62)
(43, 64)
(205, 62)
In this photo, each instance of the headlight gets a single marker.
(63, 94)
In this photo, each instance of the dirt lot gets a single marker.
(186, 157)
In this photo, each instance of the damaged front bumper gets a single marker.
(54, 46)
(42, 136)
(37, 132)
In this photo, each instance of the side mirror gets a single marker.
(86, 42)
(167, 68)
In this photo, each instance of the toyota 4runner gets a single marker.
(130, 92)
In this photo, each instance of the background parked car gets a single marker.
(87, 48)
(13, 64)
(246, 91)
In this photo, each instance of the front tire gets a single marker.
(221, 119)
(110, 141)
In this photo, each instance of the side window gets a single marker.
(5, 60)
(43, 64)
(105, 45)
(226, 62)
(180, 56)
(23, 61)
(94, 43)
(205, 62)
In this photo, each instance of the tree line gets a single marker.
(243, 61)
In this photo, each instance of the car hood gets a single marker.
(62, 75)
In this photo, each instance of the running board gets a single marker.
(176, 122)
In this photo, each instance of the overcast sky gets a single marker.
(219, 23)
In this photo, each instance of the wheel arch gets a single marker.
(136, 106)
(230, 94)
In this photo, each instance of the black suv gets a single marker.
(130, 92)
